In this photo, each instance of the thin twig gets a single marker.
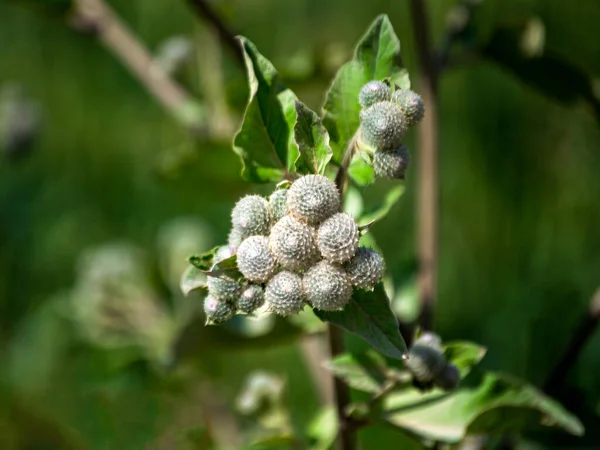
(205, 11)
(428, 170)
(584, 330)
(342, 173)
(347, 429)
(97, 17)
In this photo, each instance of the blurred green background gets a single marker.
(519, 212)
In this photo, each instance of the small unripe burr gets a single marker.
(312, 199)
(426, 359)
(223, 288)
(294, 244)
(254, 259)
(448, 378)
(373, 92)
(327, 287)
(383, 125)
(337, 238)
(278, 203)
(365, 269)
(411, 104)
(391, 164)
(283, 294)
(217, 311)
(252, 298)
(252, 216)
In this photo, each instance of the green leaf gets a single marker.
(264, 141)
(312, 140)
(226, 268)
(368, 315)
(192, 279)
(376, 57)
(323, 429)
(380, 210)
(360, 171)
(481, 409)
(204, 261)
(364, 373)
(464, 355)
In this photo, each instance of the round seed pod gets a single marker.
(411, 104)
(337, 238)
(327, 287)
(313, 198)
(278, 203)
(254, 259)
(373, 92)
(391, 164)
(383, 125)
(252, 216)
(425, 362)
(252, 297)
(217, 311)
(235, 239)
(283, 294)
(365, 269)
(223, 288)
(448, 378)
(294, 244)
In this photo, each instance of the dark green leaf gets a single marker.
(265, 138)
(376, 57)
(365, 373)
(449, 417)
(464, 355)
(369, 316)
(312, 140)
(203, 261)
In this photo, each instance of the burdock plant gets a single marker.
(299, 249)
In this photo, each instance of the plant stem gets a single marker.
(346, 430)
(428, 168)
(342, 173)
(204, 10)
(97, 17)
(584, 330)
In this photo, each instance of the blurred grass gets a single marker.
(520, 248)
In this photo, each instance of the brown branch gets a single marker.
(582, 333)
(97, 17)
(428, 170)
(342, 173)
(346, 427)
(205, 11)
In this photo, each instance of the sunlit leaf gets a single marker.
(497, 403)
(265, 137)
(312, 139)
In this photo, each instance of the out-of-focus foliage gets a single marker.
(520, 252)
